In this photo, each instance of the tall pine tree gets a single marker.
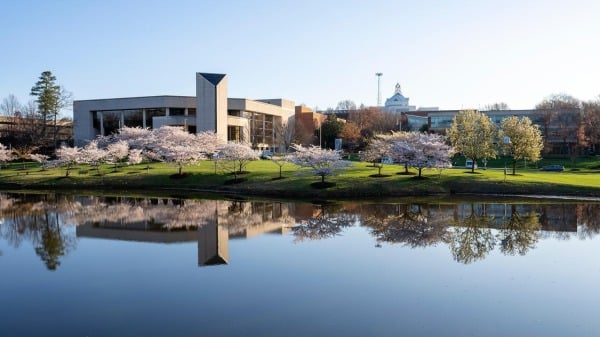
(50, 99)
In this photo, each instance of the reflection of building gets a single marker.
(238, 119)
(213, 245)
(211, 223)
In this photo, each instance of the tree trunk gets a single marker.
(55, 136)
(180, 168)
(514, 166)
(379, 169)
(322, 179)
(420, 172)
(280, 167)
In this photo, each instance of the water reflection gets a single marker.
(316, 222)
(53, 223)
(37, 221)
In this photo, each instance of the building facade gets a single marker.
(559, 127)
(398, 102)
(233, 119)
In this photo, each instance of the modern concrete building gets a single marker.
(234, 119)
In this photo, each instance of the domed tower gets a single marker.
(398, 103)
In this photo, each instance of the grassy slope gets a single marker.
(355, 182)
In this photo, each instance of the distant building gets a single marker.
(559, 131)
(233, 119)
(398, 103)
(308, 125)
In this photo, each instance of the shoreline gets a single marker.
(314, 194)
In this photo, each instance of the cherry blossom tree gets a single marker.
(137, 138)
(40, 158)
(279, 161)
(209, 142)
(67, 157)
(400, 156)
(377, 152)
(176, 146)
(135, 157)
(5, 154)
(322, 162)
(423, 150)
(235, 156)
(117, 152)
(92, 155)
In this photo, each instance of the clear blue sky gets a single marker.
(451, 54)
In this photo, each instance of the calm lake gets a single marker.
(120, 266)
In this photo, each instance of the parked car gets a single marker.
(469, 163)
(555, 168)
(266, 154)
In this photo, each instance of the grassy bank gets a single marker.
(261, 179)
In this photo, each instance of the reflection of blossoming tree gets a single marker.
(520, 233)
(408, 224)
(169, 215)
(472, 238)
(326, 224)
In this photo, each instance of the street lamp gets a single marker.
(378, 88)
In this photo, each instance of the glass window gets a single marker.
(176, 111)
(96, 122)
(234, 133)
(151, 113)
(112, 121)
(133, 118)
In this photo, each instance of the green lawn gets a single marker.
(260, 180)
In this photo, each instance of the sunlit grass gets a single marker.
(262, 178)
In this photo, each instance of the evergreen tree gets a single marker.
(330, 130)
(50, 99)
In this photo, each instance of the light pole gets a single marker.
(378, 88)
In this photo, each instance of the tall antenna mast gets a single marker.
(378, 88)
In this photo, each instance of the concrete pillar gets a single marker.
(101, 122)
(211, 103)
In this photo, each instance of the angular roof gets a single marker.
(213, 78)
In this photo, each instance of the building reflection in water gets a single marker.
(470, 229)
(209, 222)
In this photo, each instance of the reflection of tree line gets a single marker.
(39, 222)
(471, 230)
